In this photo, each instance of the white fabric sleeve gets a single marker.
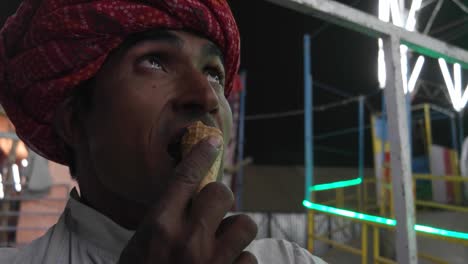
(272, 251)
(8, 255)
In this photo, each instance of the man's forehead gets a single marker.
(171, 37)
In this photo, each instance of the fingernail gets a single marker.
(215, 141)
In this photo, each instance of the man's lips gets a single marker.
(174, 147)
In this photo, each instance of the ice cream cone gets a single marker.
(196, 132)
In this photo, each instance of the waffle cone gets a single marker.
(196, 132)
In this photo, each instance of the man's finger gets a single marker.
(234, 234)
(188, 175)
(246, 258)
(210, 206)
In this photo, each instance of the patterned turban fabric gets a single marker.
(49, 47)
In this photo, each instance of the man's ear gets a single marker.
(67, 122)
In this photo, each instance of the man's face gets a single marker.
(145, 95)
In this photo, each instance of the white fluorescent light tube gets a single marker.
(464, 99)
(457, 79)
(16, 177)
(411, 21)
(449, 83)
(458, 85)
(381, 70)
(415, 74)
(396, 15)
(384, 10)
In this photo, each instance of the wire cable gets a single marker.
(299, 112)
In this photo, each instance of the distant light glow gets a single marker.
(16, 177)
(415, 74)
(24, 162)
(383, 220)
(335, 185)
(382, 72)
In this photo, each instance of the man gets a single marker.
(106, 87)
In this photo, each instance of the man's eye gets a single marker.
(152, 62)
(215, 76)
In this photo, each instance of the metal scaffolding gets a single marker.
(393, 37)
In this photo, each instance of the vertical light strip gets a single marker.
(382, 71)
(384, 15)
(16, 177)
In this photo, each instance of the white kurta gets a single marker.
(82, 235)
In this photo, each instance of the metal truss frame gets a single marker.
(393, 37)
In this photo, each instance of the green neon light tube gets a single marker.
(383, 220)
(335, 185)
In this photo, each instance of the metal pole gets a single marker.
(454, 134)
(383, 191)
(461, 132)
(308, 118)
(361, 138)
(240, 146)
(361, 150)
(428, 127)
(364, 247)
(308, 140)
(400, 159)
(410, 122)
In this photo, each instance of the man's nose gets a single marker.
(196, 95)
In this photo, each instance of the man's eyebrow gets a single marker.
(154, 35)
(211, 49)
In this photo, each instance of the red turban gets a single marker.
(50, 46)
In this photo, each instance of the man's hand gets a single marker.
(185, 227)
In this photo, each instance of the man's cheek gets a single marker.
(228, 124)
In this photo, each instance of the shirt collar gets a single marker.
(95, 227)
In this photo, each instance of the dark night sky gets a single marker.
(272, 55)
(272, 39)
